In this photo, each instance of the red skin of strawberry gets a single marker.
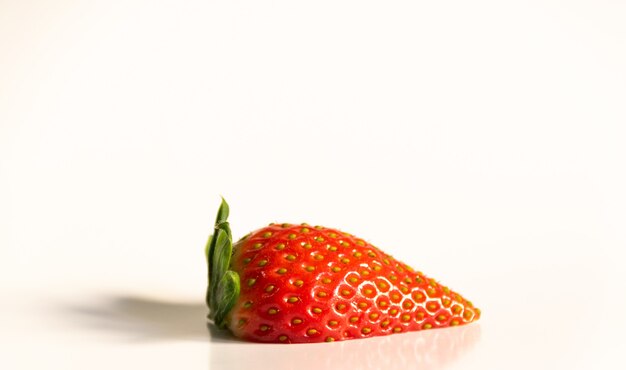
(303, 284)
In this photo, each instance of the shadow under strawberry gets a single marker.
(142, 319)
(138, 318)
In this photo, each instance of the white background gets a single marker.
(479, 141)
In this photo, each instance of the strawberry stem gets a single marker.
(223, 284)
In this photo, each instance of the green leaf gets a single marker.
(224, 225)
(207, 247)
(222, 212)
(221, 260)
(227, 293)
(222, 216)
(223, 284)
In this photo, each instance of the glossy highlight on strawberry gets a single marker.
(295, 283)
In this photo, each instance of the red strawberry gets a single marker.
(289, 283)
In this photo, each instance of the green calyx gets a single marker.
(223, 286)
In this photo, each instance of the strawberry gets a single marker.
(288, 283)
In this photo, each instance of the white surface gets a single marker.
(480, 142)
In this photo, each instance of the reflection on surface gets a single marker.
(146, 319)
(431, 349)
